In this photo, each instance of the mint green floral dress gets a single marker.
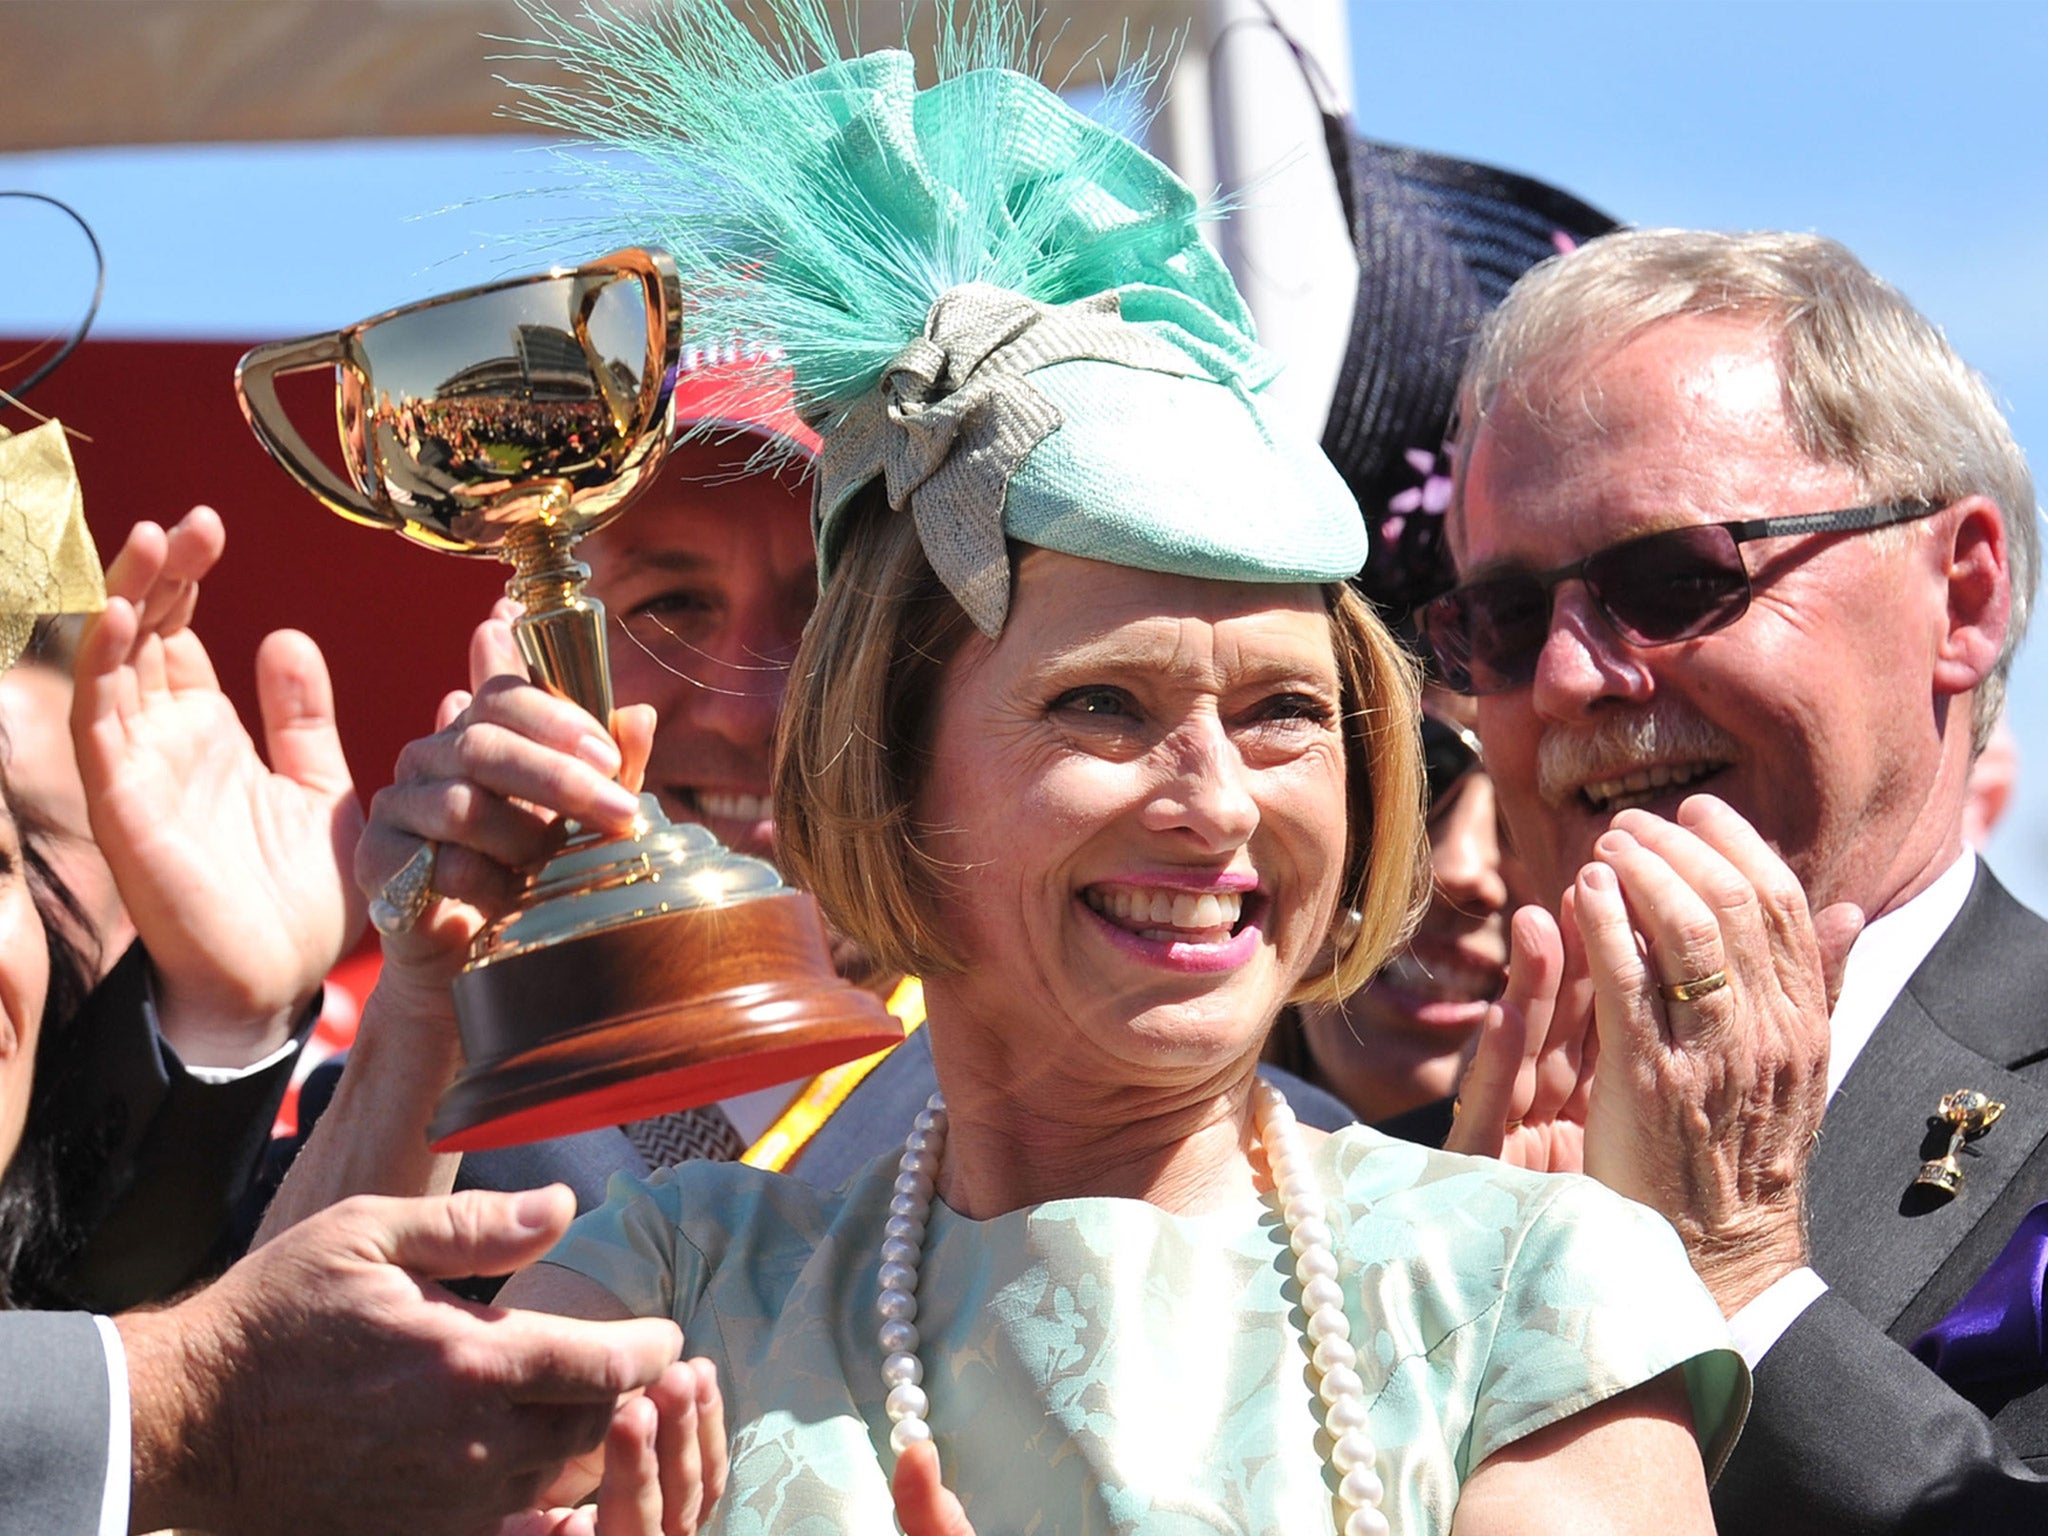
(1100, 1365)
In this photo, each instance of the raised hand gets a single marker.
(1709, 1095)
(234, 872)
(1525, 1094)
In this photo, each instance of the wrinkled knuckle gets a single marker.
(464, 1215)
(466, 1360)
(1699, 940)
(416, 760)
(1726, 890)
(464, 810)
(479, 748)
(496, 691)
(1783, 896)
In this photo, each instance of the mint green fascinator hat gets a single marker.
(997, 307)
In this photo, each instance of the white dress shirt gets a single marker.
(120, 1435)
(1881, 961)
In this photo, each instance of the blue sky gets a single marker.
(1911, 131)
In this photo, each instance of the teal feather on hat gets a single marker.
(997, 305)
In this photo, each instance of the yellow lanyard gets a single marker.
(823, 1094)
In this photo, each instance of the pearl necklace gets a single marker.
(1352, 1453)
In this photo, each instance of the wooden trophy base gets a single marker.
(660, 1013)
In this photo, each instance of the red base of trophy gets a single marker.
(664, 1013)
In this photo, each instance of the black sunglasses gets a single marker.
(1657, 589)
(1449, 752)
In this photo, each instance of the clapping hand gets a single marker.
(1690, 969)
(1708, 1106)
(1525, 1095)
(233, 872)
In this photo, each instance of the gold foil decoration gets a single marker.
(47, 560)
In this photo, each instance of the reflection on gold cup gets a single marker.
(638, 974)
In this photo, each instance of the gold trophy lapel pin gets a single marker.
(1968, 1115)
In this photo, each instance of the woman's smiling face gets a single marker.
(1138, 795)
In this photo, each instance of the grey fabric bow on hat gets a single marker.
(955, 415)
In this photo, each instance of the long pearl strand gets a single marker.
(1352, 1452)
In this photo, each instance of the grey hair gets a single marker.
(1870, 382)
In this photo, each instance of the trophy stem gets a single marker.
(561, 634)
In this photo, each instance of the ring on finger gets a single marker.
(1694, 990)
(404, 898)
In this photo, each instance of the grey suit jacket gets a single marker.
(1849, 1432)
(53, 1424)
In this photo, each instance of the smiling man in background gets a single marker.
(1745, 551)
(709, 580)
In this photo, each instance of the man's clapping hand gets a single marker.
(1705, 1108)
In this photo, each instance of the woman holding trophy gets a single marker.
(1088, 732)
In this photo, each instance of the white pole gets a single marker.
(1286, 244)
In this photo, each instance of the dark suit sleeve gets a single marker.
(54, 1398)
(170, 1157)
(1849, 1434)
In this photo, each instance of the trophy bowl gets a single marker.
(638, 974)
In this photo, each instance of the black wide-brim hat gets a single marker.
(1440, 241)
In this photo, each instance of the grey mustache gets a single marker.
(1570, 756)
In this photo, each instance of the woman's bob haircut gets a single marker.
(855, 740)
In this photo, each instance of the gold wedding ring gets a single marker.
(1692, 991)
(406, 895)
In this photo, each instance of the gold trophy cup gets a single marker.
(639, 974)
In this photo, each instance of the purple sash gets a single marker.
(1996, 1335)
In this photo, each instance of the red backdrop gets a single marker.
(393, 619)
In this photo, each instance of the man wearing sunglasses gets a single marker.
(1745, 551)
